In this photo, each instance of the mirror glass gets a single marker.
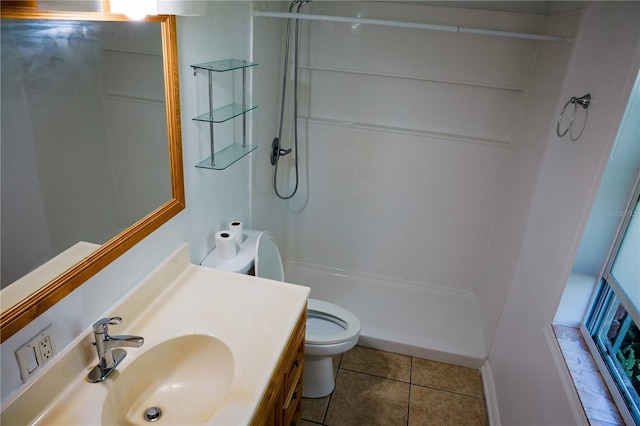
(90, 147)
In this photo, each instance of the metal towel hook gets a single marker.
(584, 102)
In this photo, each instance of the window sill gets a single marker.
(594, 394)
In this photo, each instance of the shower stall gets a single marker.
(418, 151)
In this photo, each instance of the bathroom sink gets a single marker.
(183, 380)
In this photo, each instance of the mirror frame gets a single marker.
(21, 314)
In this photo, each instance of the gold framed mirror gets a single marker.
(15, 317)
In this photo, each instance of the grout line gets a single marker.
(410, 385)
(375, 375)
(326, 411)
(413, 384)
(450, 391)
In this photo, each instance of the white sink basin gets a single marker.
(192, 377)
(186, 378)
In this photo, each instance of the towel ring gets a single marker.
(584, 102)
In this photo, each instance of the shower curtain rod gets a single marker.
(413, 25)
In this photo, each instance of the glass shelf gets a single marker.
(226, 157)
(235, 151)
(224, 65)
(220, 115)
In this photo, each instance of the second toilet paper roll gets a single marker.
(225, 245)
(236, 228)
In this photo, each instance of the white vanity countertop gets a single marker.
(253, 316)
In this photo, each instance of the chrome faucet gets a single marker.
(108, 356)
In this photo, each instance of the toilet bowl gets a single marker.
(331, 330)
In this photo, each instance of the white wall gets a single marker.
(604, 63)
(537, 119)
(420, 149)
(409, 190)
(268, 212)
(213, 197)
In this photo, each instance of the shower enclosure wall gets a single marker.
(419, 151)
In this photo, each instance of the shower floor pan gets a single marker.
(399, 316)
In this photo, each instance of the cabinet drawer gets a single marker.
(293, 410)
(294, 375)
(294, 361)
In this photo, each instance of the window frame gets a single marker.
(600, 310)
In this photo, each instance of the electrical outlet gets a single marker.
(35, 352)
(46, 348)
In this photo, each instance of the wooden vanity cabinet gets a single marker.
(282, 403)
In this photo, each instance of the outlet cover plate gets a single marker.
(37, 351)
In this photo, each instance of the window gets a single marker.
(614, 318)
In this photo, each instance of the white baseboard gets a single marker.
(490, 396)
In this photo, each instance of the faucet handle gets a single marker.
(102, 325)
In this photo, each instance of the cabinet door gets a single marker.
(282, 404)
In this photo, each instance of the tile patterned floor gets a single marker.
(374, 387)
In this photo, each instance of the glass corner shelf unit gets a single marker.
(229, 155)
(226, 157)
(220, 115)
(223, 66)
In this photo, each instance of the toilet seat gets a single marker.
(335, 314)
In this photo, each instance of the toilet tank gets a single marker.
(244, 259)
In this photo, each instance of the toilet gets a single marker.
(331, 330)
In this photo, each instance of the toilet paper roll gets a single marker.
(225, 245)
(236, 228)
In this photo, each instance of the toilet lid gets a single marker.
(268, 263)
(345, 324)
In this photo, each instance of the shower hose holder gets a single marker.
(277, 152)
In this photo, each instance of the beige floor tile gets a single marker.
(446, 377)
(303, 422)
(314, 409)
(379, 363)
(434, 407)
(361, 399)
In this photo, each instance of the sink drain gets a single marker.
(152, 414)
